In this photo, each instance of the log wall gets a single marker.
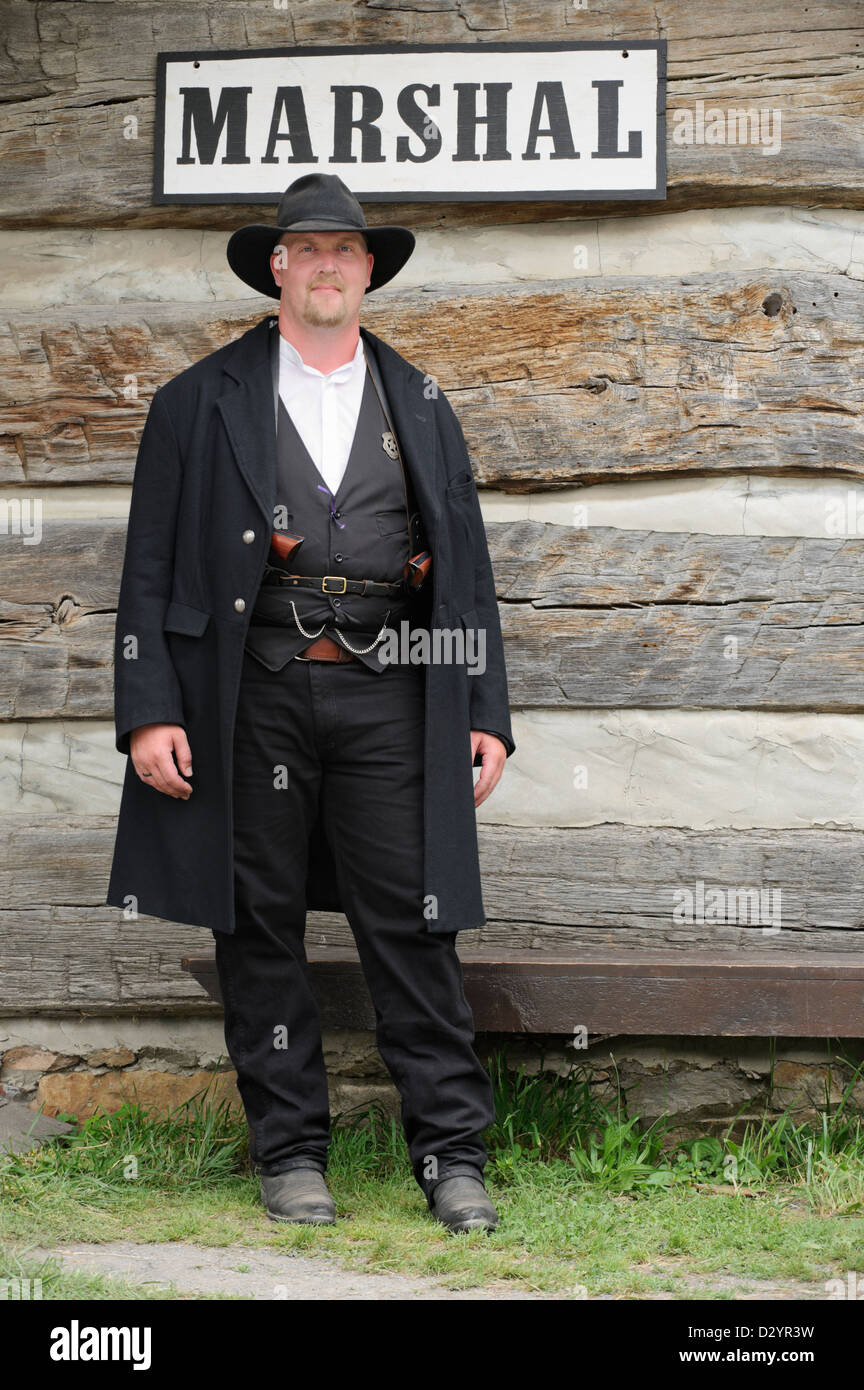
(668, 441)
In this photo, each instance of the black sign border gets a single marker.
(658, 193)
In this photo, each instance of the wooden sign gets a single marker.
(422, 122)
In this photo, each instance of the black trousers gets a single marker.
(352, 738)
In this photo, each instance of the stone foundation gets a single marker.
(64, 1066)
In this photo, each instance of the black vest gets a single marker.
(361, 532)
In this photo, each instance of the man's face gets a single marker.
(322, 276)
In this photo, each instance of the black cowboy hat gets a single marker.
(316, 203)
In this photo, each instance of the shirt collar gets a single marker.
(339, 373)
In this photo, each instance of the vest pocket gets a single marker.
(390, 523)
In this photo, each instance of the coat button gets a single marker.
(337, 557)
(240, 605)
(248, 537)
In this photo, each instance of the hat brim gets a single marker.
(249, 250)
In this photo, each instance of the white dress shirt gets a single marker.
(323, 406)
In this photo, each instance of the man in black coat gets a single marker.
(334, 717)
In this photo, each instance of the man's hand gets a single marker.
(150, 748)
(494, 755)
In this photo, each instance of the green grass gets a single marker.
(588, 1196)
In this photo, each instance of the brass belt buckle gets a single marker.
(337, 579)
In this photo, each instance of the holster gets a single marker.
(414, 571)
(285, 546)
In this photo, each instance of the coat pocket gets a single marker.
(179, 617)
(460, 486)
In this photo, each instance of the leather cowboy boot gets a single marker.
(462, 1204)
(300, 1195)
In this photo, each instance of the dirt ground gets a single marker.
(265, 1274)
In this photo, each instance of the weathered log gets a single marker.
(591, 618)
(67, 158)
(605, 891)
(553, 382)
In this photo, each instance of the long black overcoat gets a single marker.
(205, 475)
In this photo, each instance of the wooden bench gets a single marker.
(640, 992)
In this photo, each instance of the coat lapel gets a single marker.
(246, 406)
(412, 420)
